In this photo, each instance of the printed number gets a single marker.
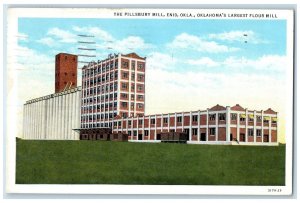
(274, 190)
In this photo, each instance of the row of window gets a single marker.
(98, 116)
(108, 67)
(212, 117)
(100, 79)
(100, 69)
(112, 96)
(125, 75)
(124, 86)
(211, 131)
(125, 105)
(125, 64)
(99, 107)
(94, 125)
(101, 89)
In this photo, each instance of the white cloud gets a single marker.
(62, 35)
(266, 62)
(204, 61)
(160, 61)
(98, 33)
(129, 44)
(239, 36)
(47, 41)
(187, 41)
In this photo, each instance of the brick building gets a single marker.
(218, 124)
(65, 72)
(114, 97)
(112, 87)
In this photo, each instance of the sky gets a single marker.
(191, 64)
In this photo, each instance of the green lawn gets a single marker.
(104, 162)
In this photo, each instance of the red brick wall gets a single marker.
(146, 122)
(233, 131)
(273, 136)
(222, 134)
(65, 71)
(172, 121)
(186, 120)
(203, 119)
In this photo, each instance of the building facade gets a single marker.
(112, 87)
(218, 124)
(65, 72)
(53, 117)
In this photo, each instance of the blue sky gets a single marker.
(194, 64)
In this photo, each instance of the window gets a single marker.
(140, 97)
(258, 118)
(258, 132)
(125, 64)
(129, 133)
(140, 88)
(140, 106)
(125, 75)
(146, 132)
(274, 120)
(132, 76)
(132, 65)
(119, 123)
(250, 132)
(140, 77)
(195, 131)
(140, 122)
(212, 131)
(124, 86)
(242, 118)
(165, 120)
(124, 95)
(250, 118)
(266, 119)
(195, 118)
(152, 121)
(140, 66)
(179, 119)
(233, 116)
(124, 115)
(132, 96)
(124, 104)
(222, 117)
(212, 117)
(129, 122)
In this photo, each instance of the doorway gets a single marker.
(203, 137)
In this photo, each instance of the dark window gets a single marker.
(233, 116)
(195, 131)
(152, 121)
(212, 117)
(195, 118)
(179, 119)
(222, 117)
(258, 132)
(250, 132)
(140, 122)
(212, 131)
(165, 120)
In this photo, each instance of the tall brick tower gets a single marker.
(65, 71)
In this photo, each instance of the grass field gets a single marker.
(103, 162)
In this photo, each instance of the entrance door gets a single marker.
(230, 136)
(203, 137)
(140, 137)
(158, 137)
(266, 138)
(242, 137)
(187, 131)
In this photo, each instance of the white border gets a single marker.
(11, 187)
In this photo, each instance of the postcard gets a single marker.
(149, 101)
